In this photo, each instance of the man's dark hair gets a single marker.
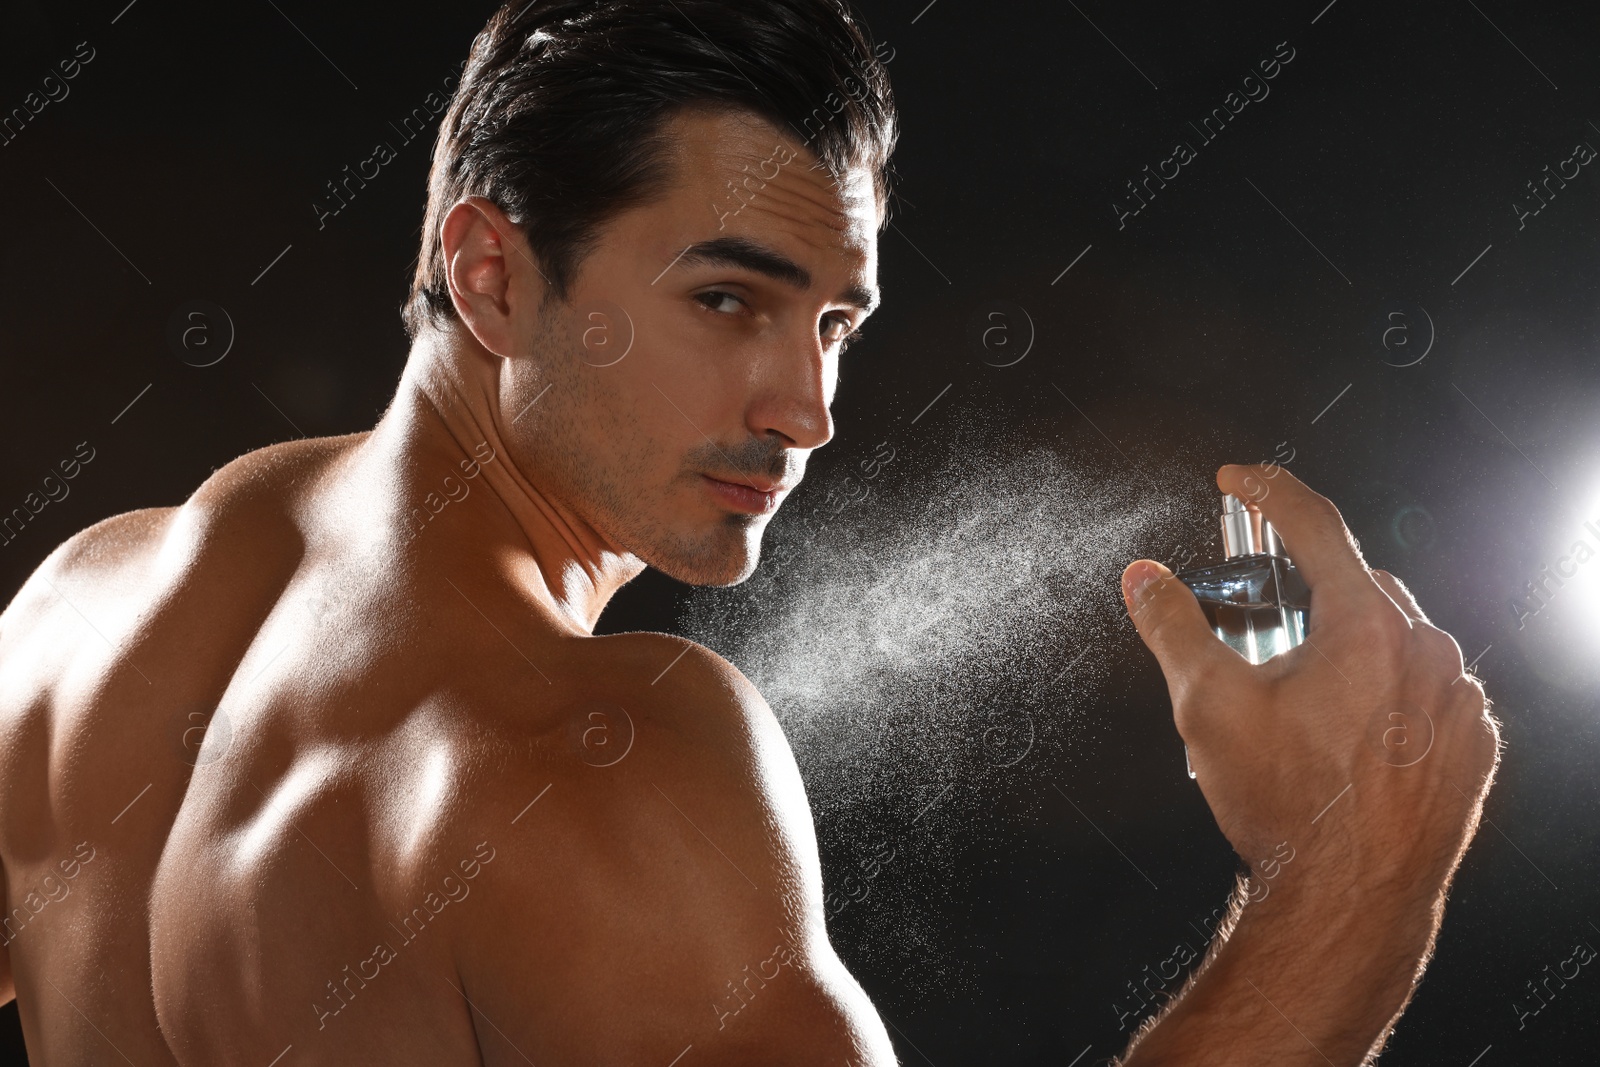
(559, 115)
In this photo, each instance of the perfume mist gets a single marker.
(1255, 600)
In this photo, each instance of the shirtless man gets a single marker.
(326, 766)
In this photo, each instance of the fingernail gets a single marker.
(1138, 577)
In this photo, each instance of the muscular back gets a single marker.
(283, 776)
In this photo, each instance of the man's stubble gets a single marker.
(609, 484)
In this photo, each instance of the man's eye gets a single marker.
(847, 336)
(716, 296)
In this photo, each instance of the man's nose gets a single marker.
(797, 389)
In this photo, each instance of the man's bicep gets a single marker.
(799, 1002)
(670, 899)
(828, 1020)
(637, 973)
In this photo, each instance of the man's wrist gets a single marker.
(1309, 970)
(1344, 957)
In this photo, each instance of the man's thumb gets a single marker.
(1168, 618)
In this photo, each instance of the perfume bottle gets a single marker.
(1256, 601)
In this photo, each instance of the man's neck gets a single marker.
(445, 411)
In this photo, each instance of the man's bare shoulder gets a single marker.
(263, 479)
(240, 516)
(656, 883)
(95, 551)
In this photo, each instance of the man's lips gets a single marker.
(756, 482)
(754, 496)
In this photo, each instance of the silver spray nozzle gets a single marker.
(1245, 532)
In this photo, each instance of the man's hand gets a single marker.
(1367, 749)
(1349, 773)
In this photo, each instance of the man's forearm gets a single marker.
(1298, 981)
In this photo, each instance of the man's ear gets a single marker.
(491, 273)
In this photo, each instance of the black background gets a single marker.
(1244, 307)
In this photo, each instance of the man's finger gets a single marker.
(1169, 620)
(1400, 595)
(1313, 532)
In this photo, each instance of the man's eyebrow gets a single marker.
(743, 252)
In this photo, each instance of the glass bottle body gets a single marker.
(1257, 604)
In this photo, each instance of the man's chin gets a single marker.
(725, 557)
